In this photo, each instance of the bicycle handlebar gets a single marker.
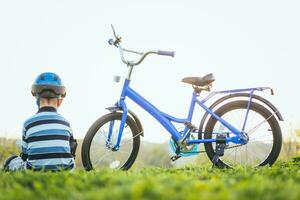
(117, 42)
(166, 53)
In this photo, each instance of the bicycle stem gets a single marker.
(129, 72)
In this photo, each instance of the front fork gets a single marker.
(116, 147)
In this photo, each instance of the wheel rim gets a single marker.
(260, 143)
(103, 157)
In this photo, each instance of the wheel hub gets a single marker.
(245, 138)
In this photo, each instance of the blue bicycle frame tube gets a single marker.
(166, 120)
(163, 119)
(235, 139)
(214, 115)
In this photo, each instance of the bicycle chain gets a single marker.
(225, 148)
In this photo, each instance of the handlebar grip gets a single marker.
(166, 53)
(111, 41)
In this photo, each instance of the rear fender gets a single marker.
(219, 101)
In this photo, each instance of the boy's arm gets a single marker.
(73, 144)
(24, 154)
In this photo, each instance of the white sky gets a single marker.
(244, 43)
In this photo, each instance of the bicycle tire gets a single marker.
(86, 145)
(264, 112)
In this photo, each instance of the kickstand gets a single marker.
(220, 147)
(215, 160)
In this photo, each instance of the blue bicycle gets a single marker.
(238, 129)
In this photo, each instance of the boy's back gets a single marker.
(46, 141)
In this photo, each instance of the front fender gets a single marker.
(131, 114)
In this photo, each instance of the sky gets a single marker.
(244, 43)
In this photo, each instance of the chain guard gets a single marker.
(184, 151)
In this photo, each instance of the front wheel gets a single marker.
(262, 128)
(98, 152)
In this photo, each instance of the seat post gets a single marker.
(197, 89)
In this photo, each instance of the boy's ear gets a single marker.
(59, 101)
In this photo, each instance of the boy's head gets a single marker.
(48, 90)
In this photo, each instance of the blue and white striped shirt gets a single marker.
(46, 141)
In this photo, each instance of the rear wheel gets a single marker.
(263, 130)
(97, 153)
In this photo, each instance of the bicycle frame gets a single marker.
(166, 120)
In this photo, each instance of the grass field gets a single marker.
(282, 181)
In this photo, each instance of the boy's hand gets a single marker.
(73, 146)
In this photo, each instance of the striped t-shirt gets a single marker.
(46, 141)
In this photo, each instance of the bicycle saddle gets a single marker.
(199, 81)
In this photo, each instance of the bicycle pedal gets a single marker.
(174, 158)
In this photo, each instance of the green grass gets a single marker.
(282, 181)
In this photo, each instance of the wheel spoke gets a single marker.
(98, 161)
(259, 127)
(101, 154)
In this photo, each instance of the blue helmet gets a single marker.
(48, 85)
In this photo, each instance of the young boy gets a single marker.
(48, 142)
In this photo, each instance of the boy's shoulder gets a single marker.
(40, 116)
